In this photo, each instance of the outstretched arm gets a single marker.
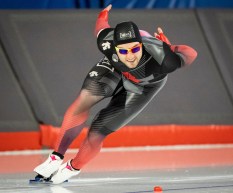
(186, 53)
(102, 20)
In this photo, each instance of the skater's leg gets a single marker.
(72, 125)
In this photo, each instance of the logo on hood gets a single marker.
(127, 35)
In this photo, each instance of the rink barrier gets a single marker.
(20, 140)
(128, 136)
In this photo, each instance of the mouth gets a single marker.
(131, 60)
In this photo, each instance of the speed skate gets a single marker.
(39, 179)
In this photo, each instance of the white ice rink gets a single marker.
(177, 169)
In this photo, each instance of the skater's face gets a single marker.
(130, 53)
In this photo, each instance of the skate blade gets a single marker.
(41, 181)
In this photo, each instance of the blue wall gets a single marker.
(129, 4)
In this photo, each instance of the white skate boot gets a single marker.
(64, 172)
(50, 166)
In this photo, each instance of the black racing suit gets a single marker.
(131, 89)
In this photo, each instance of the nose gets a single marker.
(130, 54)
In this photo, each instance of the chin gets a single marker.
(130, 66)
(134, 65)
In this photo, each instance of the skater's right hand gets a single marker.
(160, 35)
(102, 20)
(108, 8)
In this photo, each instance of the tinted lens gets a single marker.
(123, 51)
(126, 51)
(136, 49)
